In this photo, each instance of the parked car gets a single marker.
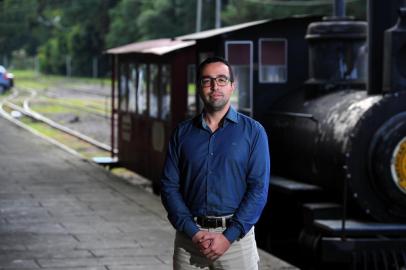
(6, 80)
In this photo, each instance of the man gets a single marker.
(215, 180)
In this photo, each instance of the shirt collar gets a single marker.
(231, 115)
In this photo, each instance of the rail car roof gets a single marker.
(228, 29)
(155, 46)
(166, 45)
(219, 31)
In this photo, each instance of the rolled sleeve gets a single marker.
(232, 233)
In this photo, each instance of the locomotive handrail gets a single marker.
(292, 114)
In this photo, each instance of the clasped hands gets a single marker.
(211, 244)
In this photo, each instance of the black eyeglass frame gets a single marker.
(220, 81)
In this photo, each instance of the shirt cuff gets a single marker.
(190, 228)
(232, 233)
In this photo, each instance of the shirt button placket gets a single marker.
(210, 170)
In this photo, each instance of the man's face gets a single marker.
(214, 96)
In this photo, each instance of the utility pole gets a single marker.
(68, 65)
(199, 16)
(94, 67)
(218, 14)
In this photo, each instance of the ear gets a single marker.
(233, 86)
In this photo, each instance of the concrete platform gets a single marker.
(58, 211)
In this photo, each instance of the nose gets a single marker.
(213, 83)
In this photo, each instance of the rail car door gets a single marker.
(160, 114)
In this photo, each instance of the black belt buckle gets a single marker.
(212, 222)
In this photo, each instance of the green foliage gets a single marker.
(50, 55)
(79, 36)
(16, 23)
(239, 11)
(140, 20)
(123, 21)
(83, 29)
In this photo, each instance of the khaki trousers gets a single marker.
(242, 254)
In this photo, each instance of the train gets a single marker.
(331, 93)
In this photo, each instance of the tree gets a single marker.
(239, 11)
(166, 18)
(84, 29)
(80, 35)
(17, 21)
(123, 23)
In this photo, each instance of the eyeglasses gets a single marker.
(220, 81)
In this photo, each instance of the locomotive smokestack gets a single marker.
(337, 53)
(394, 73)
(381, 16)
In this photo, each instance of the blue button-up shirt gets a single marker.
(216, 174)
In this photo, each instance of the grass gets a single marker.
(77, 106)
(32, 80)
(44, 107)
(28, 79)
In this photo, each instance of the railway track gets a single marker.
(74, 90)
(16, 108)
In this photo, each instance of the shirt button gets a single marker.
(211, 153)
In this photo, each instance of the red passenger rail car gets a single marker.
(151, 83)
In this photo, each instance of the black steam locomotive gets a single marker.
(342, 138)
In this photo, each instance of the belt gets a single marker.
(213, 222)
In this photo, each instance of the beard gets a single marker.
(214, 105)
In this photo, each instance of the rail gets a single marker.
(27, 111)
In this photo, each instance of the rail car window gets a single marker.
(166, 91)
(116, 82)
(239, 55)
(131, 88)
(123, 88)
(272, 60)
(191, 90)
(153, 90)
(142, 102)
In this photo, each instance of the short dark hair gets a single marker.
(213, 59)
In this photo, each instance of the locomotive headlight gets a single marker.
(398, 165)
(388, 160)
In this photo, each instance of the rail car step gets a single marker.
(354, 228)
(106, 161)
(322, 210)
(291, 186)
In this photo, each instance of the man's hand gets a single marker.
(218, 245)
(198, 240)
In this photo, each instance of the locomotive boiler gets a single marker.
(342, 138)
